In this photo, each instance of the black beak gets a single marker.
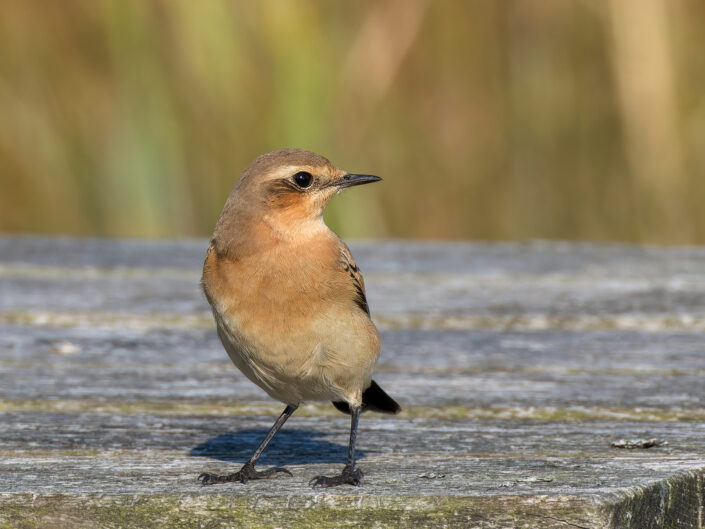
(350, 180)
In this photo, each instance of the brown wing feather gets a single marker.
(349, 266)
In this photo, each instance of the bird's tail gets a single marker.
(374, 398)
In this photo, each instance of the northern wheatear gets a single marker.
(289, 301)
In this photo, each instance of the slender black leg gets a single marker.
(350, 475)
(248, 472)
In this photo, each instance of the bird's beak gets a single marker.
(351, 179)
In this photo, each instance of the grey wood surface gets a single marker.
(518, 366)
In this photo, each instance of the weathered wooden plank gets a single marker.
(142, 455)
(538, 286)
(517, 364)
(478, 370)
(533, 258)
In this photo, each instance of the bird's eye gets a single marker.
(303, 179)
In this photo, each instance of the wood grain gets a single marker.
(518, 366)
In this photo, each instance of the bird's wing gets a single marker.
(347, 264)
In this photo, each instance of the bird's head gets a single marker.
(293, 179)
(288, 189)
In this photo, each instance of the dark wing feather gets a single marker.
(348, 265)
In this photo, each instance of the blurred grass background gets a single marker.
(487, 119)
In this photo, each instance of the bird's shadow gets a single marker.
(288, 447)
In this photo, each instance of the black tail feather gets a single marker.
(374, 398)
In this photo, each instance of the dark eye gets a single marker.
(303, 179)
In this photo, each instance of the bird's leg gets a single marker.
(350, 475)
(248, 472)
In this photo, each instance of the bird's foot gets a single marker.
(245, 474)
(349, 476)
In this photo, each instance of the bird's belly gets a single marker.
(258, 364)
(328, 358)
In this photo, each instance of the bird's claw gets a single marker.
(245, 474)
(349, 476)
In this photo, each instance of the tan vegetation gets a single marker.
(487, 119)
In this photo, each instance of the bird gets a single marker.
(289, 300)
